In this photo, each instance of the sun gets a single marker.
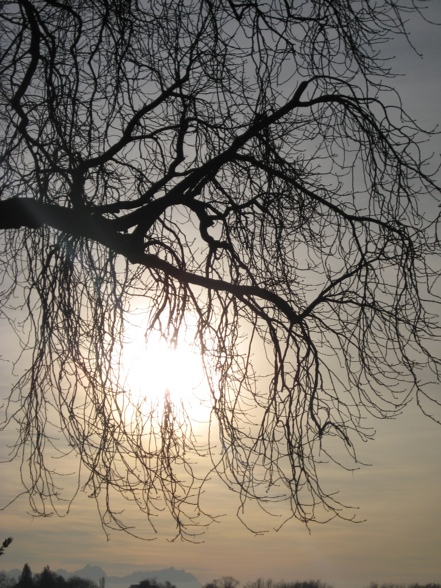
(154, 370)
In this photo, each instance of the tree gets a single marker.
(77, 582)
(238, 165)
(152, 583)
(6, 581)
(26, 579)
(49, 579)
(260, 583)
(224, 582)
(392, 585)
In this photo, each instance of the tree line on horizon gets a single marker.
(229, 582)
(46, 579)
(49, 579)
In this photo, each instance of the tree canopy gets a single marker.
(48, 579)
(244, 168)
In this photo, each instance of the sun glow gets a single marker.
(154, 371)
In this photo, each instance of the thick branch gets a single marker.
(80, 222)
(25, 212)
(197, 179)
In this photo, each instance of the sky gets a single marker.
(398, 495)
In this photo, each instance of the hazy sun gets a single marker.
(153, 370)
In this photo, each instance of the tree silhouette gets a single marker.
(77, 582)
(49, 579)
(224, 582)
(152, 583)
(238, 165)
(394, 585)
(26, 580)
(260, 583)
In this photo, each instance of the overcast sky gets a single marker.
(399, 495)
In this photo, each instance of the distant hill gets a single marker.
(180, 578)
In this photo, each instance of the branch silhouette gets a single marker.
(239, 166)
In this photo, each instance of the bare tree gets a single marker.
(224, 582)
(239, 162)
